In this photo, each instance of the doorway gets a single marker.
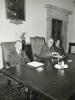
(57, 29)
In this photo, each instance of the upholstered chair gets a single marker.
(6, 48)
(36, 44)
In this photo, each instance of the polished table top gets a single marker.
(56, 84)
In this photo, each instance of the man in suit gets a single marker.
(48, 51)
(47, 48)
(58, 47)
(18, 57)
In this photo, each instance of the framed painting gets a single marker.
(15, 9)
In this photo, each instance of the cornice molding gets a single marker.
(52, 7)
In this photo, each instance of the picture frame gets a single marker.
(15, 9)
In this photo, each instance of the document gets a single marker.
(35, 64)
(57, 66)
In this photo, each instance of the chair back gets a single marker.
(6, 47)
(36, 44)
(28, 50)
(71, 44)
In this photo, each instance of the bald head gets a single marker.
(50, 42)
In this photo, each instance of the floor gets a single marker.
(10, 93)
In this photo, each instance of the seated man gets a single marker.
(47, 48)
(49, 52)
(17, 56)
(58, 48)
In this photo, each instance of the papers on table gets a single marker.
(35, 64)
(69, 60)
(58, 66)
(39, 69)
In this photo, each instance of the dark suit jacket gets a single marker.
(16, 59)
(46, 51)
(60, 50)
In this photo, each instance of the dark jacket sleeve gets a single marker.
(12, 60)
(25, 56)
(45, 51)
(60, 50)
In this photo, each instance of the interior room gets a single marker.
(35, 23)
(37, 18)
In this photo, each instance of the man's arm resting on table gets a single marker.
(7, 65)
(12, 60)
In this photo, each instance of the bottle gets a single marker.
(58, 60)
(62, 64)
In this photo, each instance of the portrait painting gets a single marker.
(15, 9)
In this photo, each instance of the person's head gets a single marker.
(57, 43)
(18, 45)
(50, 42)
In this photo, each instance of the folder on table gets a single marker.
(35, 64)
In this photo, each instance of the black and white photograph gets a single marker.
(37, 49)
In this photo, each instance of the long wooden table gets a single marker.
(53, 83)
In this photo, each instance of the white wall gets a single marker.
(73, 36)
(36, 22)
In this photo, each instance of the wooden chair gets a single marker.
(36, 44)
(71, 44)
(6, 47)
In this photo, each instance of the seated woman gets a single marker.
(17, 56)
(58, 47)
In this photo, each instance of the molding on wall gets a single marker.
(67, 12)
(57, 12)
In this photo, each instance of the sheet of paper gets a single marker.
(57, 66)
(69, 60)
(35, 64)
